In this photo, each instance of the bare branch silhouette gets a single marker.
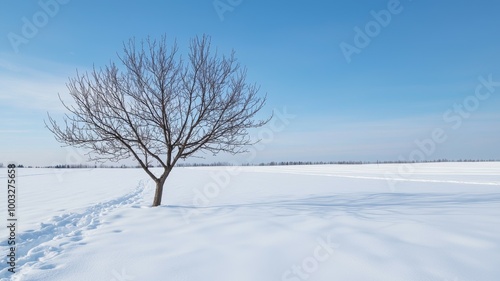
(158, 108)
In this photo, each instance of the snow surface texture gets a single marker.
(414, 222)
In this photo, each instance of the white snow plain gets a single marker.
(412, 222)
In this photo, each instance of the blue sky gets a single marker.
(413, 77)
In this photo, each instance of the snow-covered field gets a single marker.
(336, 222)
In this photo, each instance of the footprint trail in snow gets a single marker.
(35, 248)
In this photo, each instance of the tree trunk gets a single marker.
(158, 193)
(159, 188)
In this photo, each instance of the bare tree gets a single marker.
(159, 108)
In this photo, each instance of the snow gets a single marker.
(413, 222)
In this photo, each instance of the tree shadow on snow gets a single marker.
(363, 205)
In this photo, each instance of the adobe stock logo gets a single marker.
(223, 6)
(203, 197)
(121, 276)
(31, 26)
(310, 264)
(363, 37)
(455, 117)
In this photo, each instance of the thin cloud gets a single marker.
(32, 86)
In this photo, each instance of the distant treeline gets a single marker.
(291, 163)
(18, 166)
(272, 163)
